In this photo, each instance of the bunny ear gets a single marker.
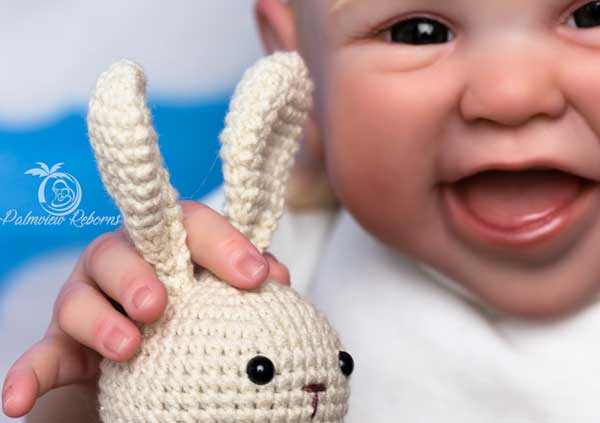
(265, 119)
(129, 161)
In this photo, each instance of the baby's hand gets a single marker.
(85, 326)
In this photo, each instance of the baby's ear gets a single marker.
(276, 25)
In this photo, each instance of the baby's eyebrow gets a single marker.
(336, 6)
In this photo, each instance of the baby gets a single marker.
(462, 137)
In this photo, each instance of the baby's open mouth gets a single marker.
(525, 207)
(509, 199)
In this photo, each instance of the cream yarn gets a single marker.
(196, 363)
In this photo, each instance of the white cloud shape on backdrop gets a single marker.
(52, 52)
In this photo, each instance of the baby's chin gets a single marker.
(532, 289)
(541, 270)
(536, 295)
(545, 282)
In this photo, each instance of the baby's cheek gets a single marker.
(579, 78)
(383, 134)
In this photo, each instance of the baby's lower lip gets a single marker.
(547, 230)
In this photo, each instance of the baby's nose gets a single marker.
(315, 387)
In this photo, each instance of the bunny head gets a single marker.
(218, 354)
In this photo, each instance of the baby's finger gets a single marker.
(83, 313)
(120, 272)
(277, 271)
(216, 245)
(52, 362)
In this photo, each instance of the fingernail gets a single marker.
(141, 297)
(9, 395)
(250, 265)
(116, 340)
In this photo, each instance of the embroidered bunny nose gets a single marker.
(315, 387)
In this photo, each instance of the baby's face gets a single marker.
(413, 96)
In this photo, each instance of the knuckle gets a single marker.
(195, 210)
(54, 341)
(231, 243)
(102, 326)
(64, 347)
(65, 301)
(107, 319)
(230, 240)
(46, 351)
(99, 247)
(201, 215)
(106, 323)
(43, 351)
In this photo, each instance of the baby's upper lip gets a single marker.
(522, 164)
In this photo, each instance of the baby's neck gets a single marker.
(458, 289)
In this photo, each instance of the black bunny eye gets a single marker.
(260, 370)
(346, 363)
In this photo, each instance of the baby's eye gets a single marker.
(419, 31)
(260, 370)
(587, 16)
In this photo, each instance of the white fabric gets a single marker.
(428, 351)
(424, 353)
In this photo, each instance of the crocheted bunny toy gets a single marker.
(218, 354)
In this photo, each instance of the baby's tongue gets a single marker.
(510, 199)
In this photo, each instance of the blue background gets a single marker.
(188, 138)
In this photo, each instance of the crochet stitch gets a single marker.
(218, 354)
